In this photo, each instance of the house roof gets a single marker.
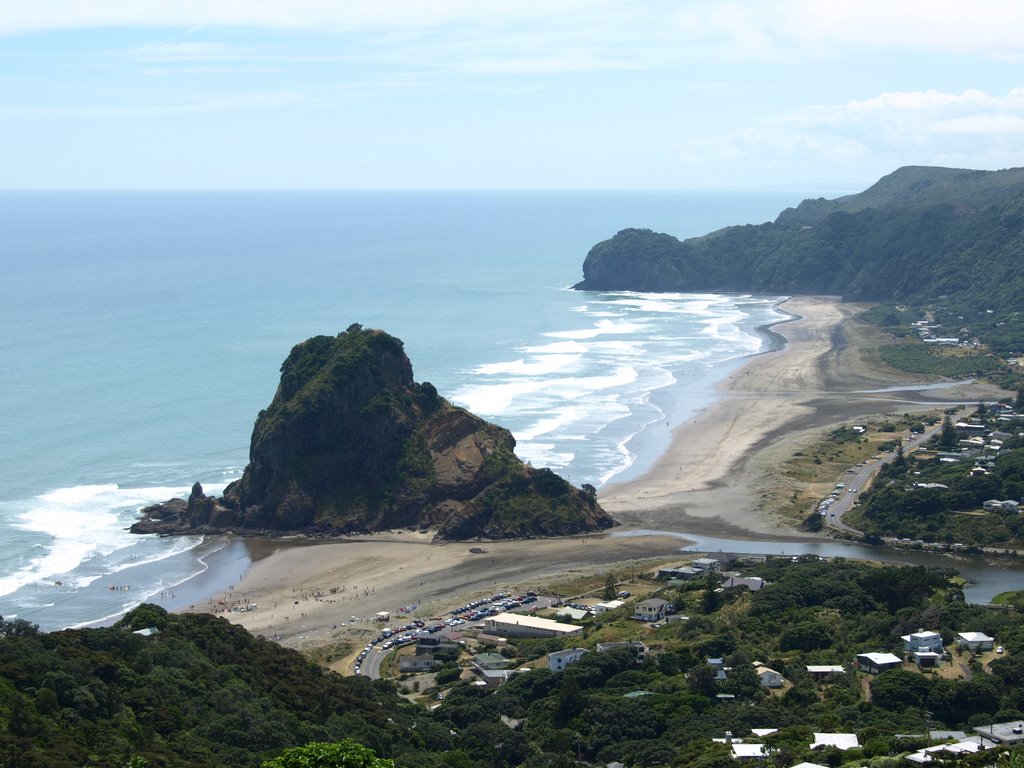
(880, 658)
(824, 669)
(749, 750)
(534, 622)
(568, 653)
(653, 602)
(920, 636)
(841, 741)
(975, 637)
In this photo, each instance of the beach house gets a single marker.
(650, 610)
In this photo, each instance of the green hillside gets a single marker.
(942, 238)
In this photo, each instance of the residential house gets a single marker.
(927, 659)
(995, 505)
(421, 662)
(607, 605)
(650, 610)
(876, 663)
(491, 661)
(718, 665)
(638, 648)
(769, 677)
(684, 572)
(559, 660)
(822, 671)
(749, 751)
(923, 641)
(1008, 733)
(975, 642)
(843, 741)
(753, 583)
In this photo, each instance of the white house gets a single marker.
(975, 642)
(749, 751)
(923, 641)
(559, 660)
(650, 610)
(995, 505)
(843, 741)
(607, 605)
(769, 677)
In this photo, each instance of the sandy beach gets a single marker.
(708, 482)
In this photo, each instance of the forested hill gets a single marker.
(918, 236)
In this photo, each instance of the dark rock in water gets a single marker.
(352, 443)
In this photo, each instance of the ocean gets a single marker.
(143, 332)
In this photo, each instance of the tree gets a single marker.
(322, 754)
(609, 586)
(900, 461)
(948, 437)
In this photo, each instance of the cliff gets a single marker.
(352, 443)
(918, 236)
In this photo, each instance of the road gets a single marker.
(860, 477)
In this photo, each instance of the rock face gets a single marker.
(352, 443)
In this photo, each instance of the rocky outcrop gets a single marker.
(352, 443)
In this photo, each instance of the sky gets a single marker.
(504, 94)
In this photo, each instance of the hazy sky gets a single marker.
(498, 94)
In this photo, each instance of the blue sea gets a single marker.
(143, 332)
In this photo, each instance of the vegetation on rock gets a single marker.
(920, 236)
(352, 443)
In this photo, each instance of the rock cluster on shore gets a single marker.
(351, 443)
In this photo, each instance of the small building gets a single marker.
(749, 751)
(1006, 505)
(975, 642)
(682, 572)
(923, 641)
(1003, 733)
(822, 671)
(876, 663)
(559, 660)
(147, 632)
(491, 661)
(607, 605)
(769, 677)
(843, 741)
(521, 625)
(718, 665)
(706, 564)
(493, 678)
(637, 647)
(650, 610)
(421, 662)
(753, 583)
(927, 659)
(575, 614)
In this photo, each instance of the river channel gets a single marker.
(986, 578)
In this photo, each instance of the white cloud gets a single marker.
(979, 129)
(188, 52)
(601, 34)
(243, 101)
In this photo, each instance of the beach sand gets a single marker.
(708, 482)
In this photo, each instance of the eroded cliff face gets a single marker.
(352, 443)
